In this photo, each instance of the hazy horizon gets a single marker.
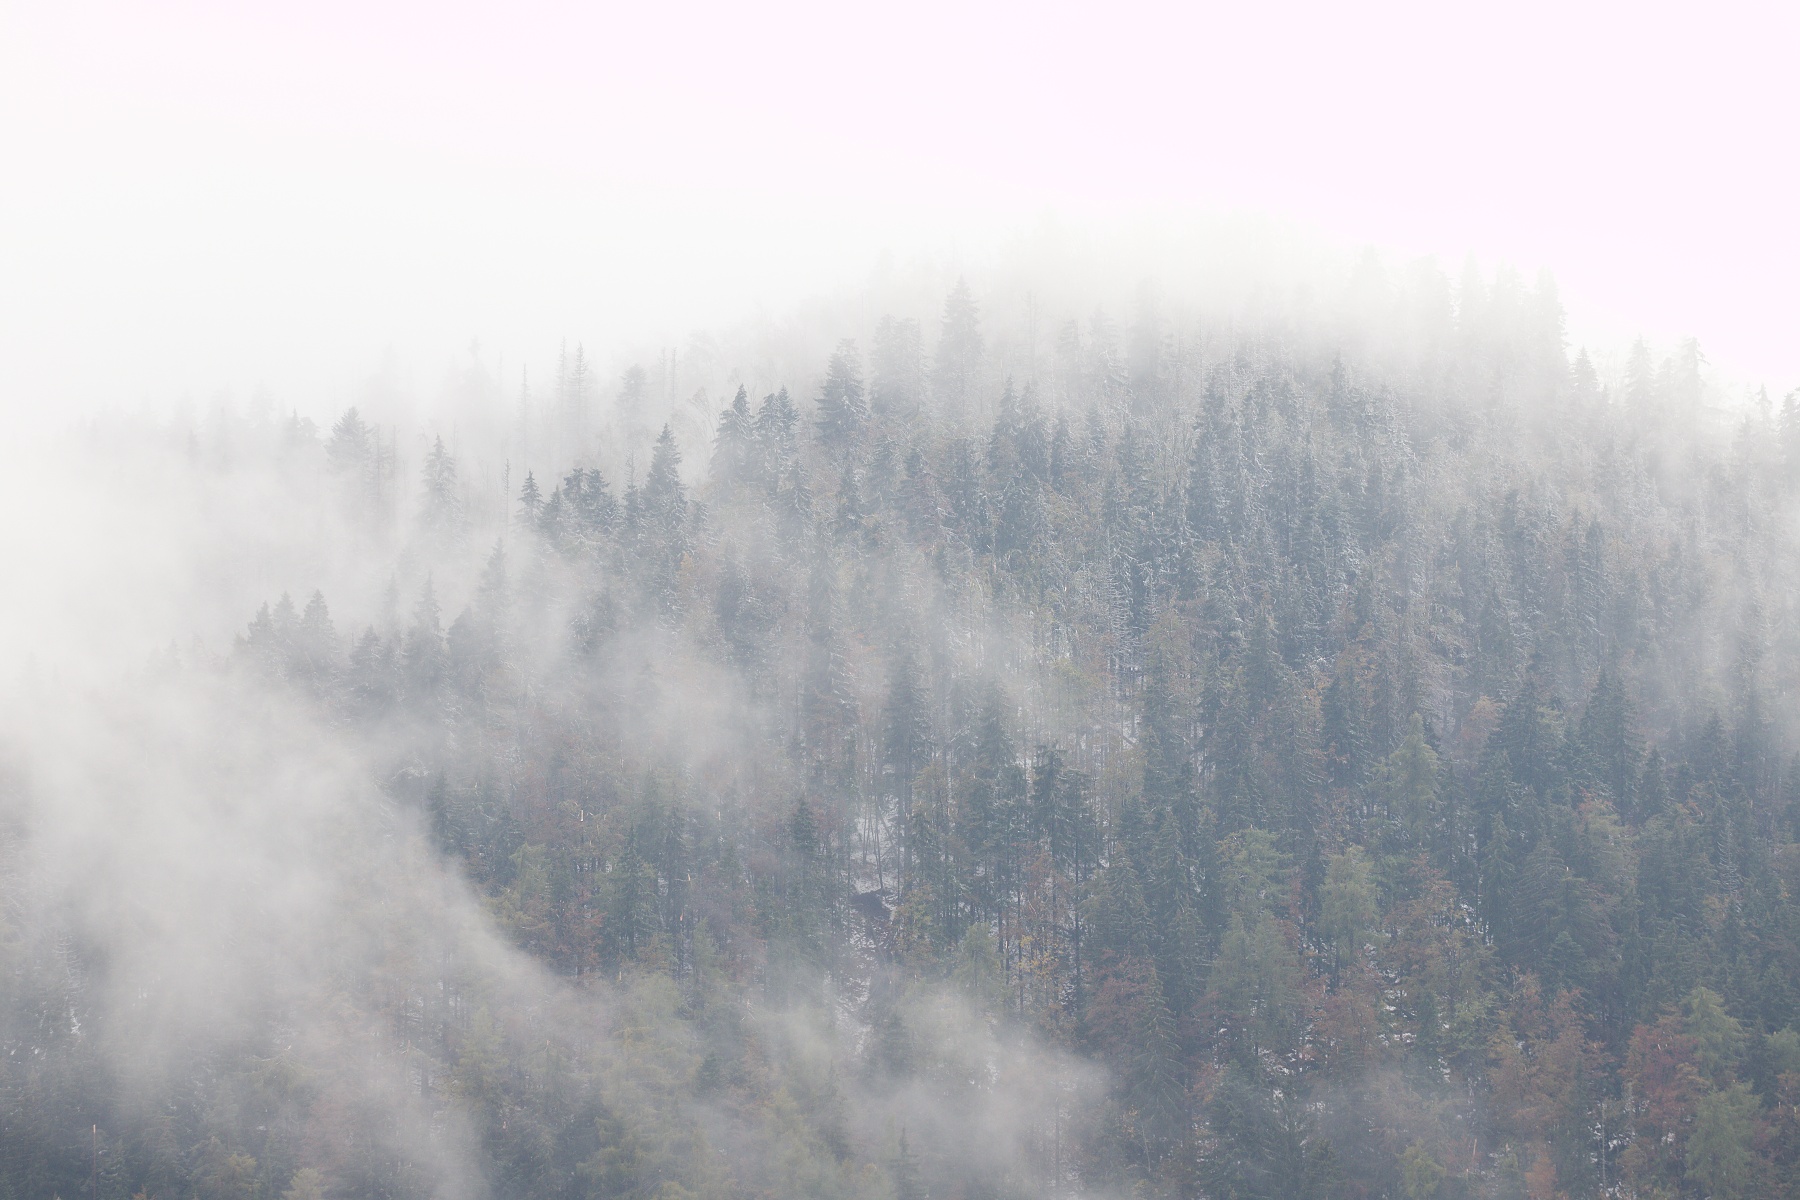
(215, 200)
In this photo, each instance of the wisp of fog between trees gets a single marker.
(969, 740)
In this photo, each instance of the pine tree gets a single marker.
(440, 505)
(777, 428)
(351, 448)
(1721, 1155)
(906, 743)
(1170, 784)
(734, 445)
(956, 364)
(531, 502)
(425, 643)
(1346, 905)
(843, 410)
(1411, 784)
(315, 643)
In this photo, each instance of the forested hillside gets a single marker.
(1278, 760)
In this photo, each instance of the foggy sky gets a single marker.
(203, 197)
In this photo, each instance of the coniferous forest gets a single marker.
(1257, 759)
